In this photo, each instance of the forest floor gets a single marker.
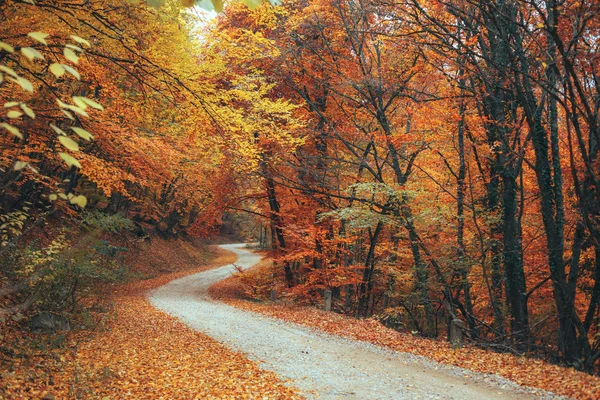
(322, 365)
(525, 371)
(136, 351)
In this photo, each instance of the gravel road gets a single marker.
(322, 366)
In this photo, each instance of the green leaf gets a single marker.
(69, 160)
(12, 130)
(82, 133)
(39, 36)
(11, 104)
(68, 143)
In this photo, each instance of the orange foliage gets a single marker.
(522, 370)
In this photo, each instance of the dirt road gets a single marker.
(321, 365)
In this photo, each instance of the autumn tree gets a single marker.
(451, 139)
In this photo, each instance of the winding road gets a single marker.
(320, 365)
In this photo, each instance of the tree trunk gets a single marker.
(364, 288)
(276, 224)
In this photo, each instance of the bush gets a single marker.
(64, 275)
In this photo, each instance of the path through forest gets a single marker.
(321, 365)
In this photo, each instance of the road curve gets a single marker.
(320, 365)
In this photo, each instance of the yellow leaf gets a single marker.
(70, 55)
(82, 133)
(57, 70)
(6, 47)
(155, 3)
(78, 110)
(58, 130)
(79, 102)
(62, 196)
(252, 4)
(68, 143)
(12, 114)
(39, 36)
(75, 109)
(69, 160)
(92, 103)
(218, 5)
(9, 71)
(75, 48)
(80, 40)
(10, 104)
(12, 130)
(72, 71)
(24, 83)
(31, 53)
(53, 197)
(19, 165)
(80, 200)
(27, 110)
(34, 170)
(68, 115)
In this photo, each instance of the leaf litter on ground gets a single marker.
(139, 353)
(522, 370)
